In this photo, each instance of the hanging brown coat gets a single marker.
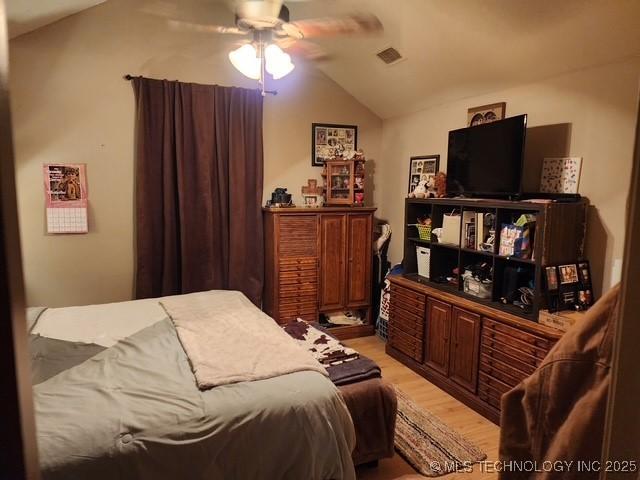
(557, 414)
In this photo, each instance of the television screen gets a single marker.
(487, 159)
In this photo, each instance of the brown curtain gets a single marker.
(199, 180)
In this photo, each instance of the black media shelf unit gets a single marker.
(558, 238)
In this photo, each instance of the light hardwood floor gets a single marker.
(455, 414)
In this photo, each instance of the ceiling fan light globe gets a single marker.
(283, 71)
(245, 60)
(277, 62)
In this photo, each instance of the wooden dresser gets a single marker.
(472, 351)
(318, 260)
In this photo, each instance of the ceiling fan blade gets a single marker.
(359, 23)
(201, 28)
(302, 48)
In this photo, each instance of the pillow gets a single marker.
(33, 314)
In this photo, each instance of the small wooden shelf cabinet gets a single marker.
(344, 182)
(318, 261)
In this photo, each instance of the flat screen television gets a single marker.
(486, 160)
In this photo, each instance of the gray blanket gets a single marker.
(134, 411)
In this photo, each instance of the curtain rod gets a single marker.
(131, 77)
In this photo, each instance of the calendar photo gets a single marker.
(66, 197)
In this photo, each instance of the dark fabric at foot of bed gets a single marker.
(373, 406)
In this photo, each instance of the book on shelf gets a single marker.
(468, 230)
(480, 230)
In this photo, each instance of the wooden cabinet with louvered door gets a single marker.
(438, 336)
(358, 260)
(333, 229)
(465, 342)
(317, 262)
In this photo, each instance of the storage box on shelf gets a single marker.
(478, 348)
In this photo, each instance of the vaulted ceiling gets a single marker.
(461, 48)
(27, 15)
(453, 48)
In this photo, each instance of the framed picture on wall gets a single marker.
(422, 168)
(486, 113)
(329, 140)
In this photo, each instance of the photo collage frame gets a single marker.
(568, 286)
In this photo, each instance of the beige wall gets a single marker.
(70, 104)
(599, 104)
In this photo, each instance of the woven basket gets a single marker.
(424, 231)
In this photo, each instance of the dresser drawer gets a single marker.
(518, 344)
(417, 312)
(311, 299)
(289, 317)
(544, 343)
(411, 317)
(492, 382)
(290, 270)
(490, 394)
(294, 290)
(487, 395)
(411, 327)
(298, 276)
(298, 265)
(407, 344)
(503, 372)
(524, 358)
(407, 299)
(519, 366)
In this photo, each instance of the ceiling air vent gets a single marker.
(389, 55)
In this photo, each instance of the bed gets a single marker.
(115, 397)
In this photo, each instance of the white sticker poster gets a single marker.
(65, 186)
(561, 175)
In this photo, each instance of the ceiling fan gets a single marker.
(270, 31)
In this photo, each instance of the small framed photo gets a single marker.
(584, 273)
(568, 274)
(329, 140)
(585, 299)
(312, 201)
(486, 113)
(422, 168)
(552, 278)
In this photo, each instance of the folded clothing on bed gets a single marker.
(228, 340)
(343, 364)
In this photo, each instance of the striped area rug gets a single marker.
(429, 445)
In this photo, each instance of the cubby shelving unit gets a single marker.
(558, 238)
